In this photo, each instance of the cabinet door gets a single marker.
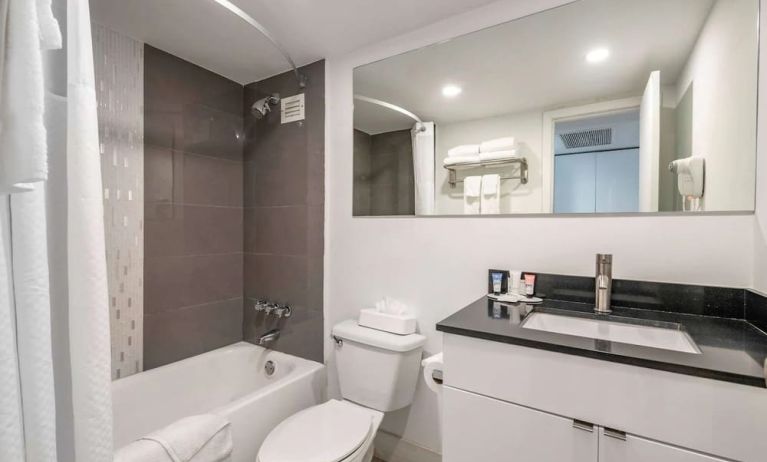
(477, 428)
(620, 447)
(575, 183)
(618, 181)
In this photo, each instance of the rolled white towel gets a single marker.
(200, 438)
(498, 155)
(497, 144)
(463, 150)
(460, 160)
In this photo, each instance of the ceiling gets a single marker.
(536, 62)
(203, 32)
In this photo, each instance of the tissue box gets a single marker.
(402, 324)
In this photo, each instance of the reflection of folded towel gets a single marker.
(491, 194)
(498, 155)
(460, 160)
(472, 188)
(498, 144)
(463, 150)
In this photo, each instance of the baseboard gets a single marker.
(392, 448)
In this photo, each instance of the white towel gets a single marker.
(463, 150)
(50, 34)
(201, 438)
(498, 155)
(23, 146)
(491, 194)
(472, 187)
(455, 160)
(497, 144)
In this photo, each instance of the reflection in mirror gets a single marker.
(598, 106)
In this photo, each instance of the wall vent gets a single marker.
(587, 138)
(292, 108)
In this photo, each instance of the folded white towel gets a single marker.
(463, 150)
(498, 155)
(472, 190)
(460, 160)
(201, 438)
(491, 194)
(497, 144)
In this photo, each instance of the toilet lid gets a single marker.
(328, 432)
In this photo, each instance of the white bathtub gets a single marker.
(231, 382)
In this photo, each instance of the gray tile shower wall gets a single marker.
(384, 183)
(193, 271)
(284, 199)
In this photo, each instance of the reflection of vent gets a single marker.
(587, 138)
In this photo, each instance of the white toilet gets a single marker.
(377, 373)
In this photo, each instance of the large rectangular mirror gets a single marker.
(597, 106)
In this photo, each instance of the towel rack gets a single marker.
(522, 161)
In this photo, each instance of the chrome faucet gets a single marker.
(267, 339)
(604, 283)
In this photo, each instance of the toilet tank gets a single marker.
(377, 369)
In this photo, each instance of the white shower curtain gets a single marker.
(51, 217)
(423, 167)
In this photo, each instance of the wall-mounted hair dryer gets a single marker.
(691, 176)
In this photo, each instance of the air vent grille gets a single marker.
(587, 138)
(292, 108)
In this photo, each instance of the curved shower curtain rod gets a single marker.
(391, 106)
(249, 19)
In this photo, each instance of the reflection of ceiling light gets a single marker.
(597, 55)
(451, 91)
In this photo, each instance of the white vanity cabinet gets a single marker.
(488, 430)
(509, 403)
(485, 429)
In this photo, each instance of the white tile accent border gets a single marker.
(119, 63)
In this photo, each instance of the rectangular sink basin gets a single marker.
(656, 337)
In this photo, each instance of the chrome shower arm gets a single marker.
(265, 32)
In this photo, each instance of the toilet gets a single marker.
(377, 373)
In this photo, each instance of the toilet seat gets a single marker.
(329, 432)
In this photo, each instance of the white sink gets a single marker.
(656, 337)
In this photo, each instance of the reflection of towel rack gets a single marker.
(523, 170)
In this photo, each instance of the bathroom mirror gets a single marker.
(597, 106)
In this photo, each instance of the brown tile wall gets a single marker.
(284, 214)
(193, 272)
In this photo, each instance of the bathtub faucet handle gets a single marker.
(260, 305)
(283, 311)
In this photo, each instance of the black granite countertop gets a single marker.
(732, 350)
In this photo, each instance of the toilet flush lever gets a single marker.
(339, 341)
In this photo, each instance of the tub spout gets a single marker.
(269, 338)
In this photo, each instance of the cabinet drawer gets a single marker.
(630, 448)
(477, 428)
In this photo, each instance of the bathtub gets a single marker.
(231, 382)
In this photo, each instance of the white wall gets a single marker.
(724, 104)
(760, 224)
(438, 265)
(515, 196)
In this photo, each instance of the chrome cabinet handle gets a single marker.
(613, 433)
(583, 425)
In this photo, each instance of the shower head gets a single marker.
(263, 106)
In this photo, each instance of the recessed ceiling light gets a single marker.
(597, 55)
(451, 91)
